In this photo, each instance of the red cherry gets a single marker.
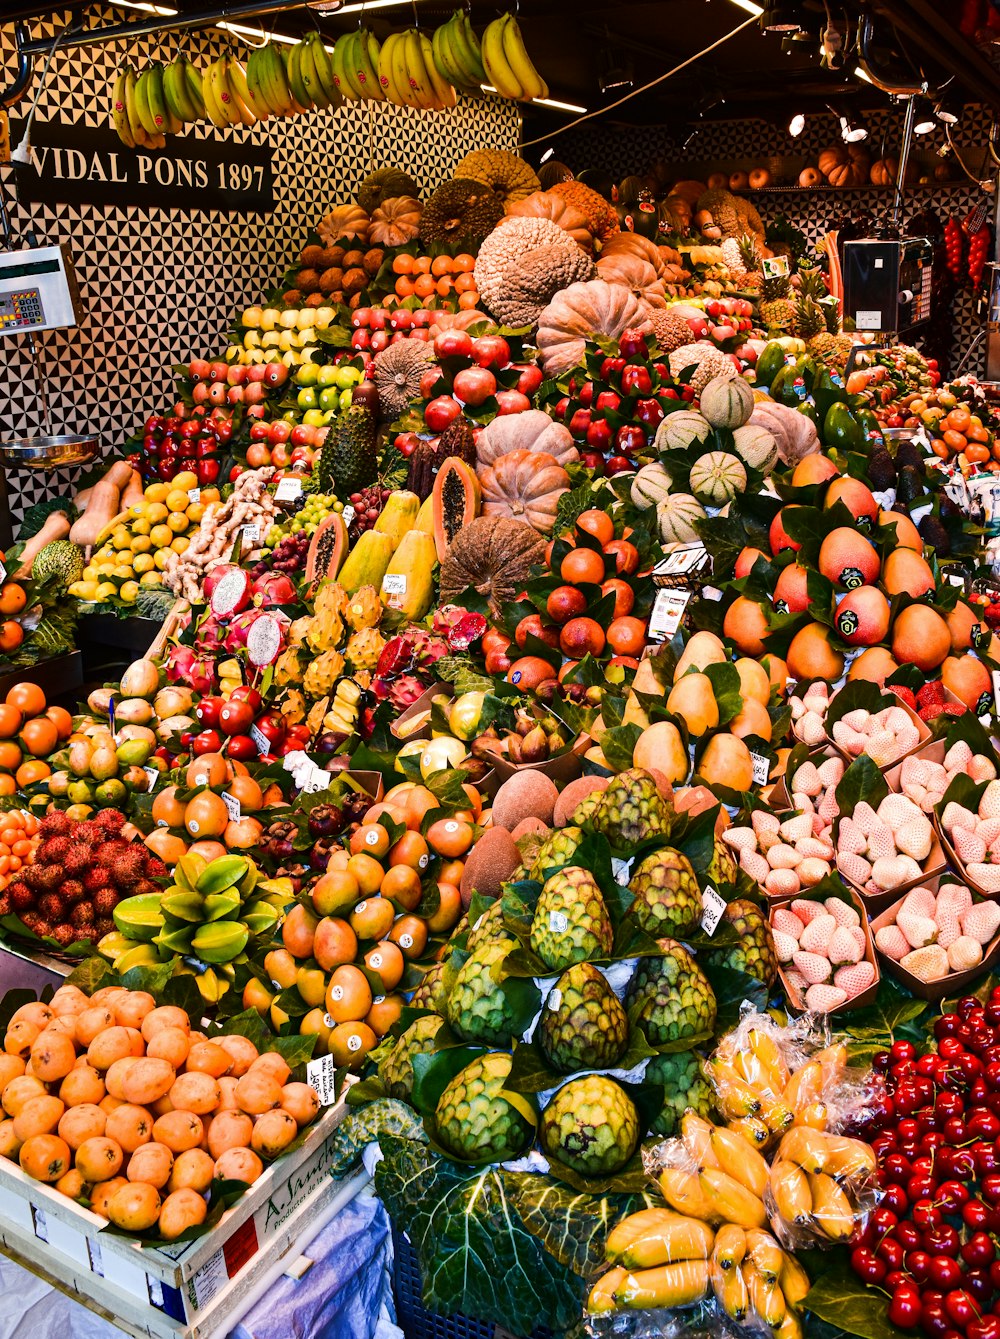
(979, 1250)
(868, 1267)
(944, 1272)
(961, 1307)
(905, 1308)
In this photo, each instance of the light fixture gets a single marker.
(796, 125)
(365, 7)
(779, 17)
(146, 9)
(546, 155)
(859, 73)
(543, 102)
(923, 117)
(852, 131)
(259, 34)
(949, 109)
(750, 7)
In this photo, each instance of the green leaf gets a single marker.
(476, 1255)
(731, 989)
(725, 682)
(863, 780)
(92, 974)
(893, 1016)
(572, 1226)
(840, 1298)
(618, 745)
(571, 505)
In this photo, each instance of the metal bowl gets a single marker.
(49, 453)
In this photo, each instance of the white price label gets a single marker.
(996, 690)
(668, 610)
(620, 869)
(194, 495)
(558, 922)
(956, 581)
(251, 535)
(761, 769)
(554, 1000)
(260, 739)
(315, 780)
(711, 593)
(394, 583)
(153, 776)
(712, 907)
(3, 573)
(868, 320)
(682, 561)
(347, 515)
(233, 805)
(321, 1074)
(289, 489)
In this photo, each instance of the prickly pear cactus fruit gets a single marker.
(753, 951)
(583, 1024)
(592, 1125)
(671, 996)
(396, 1070)
(475, 1120)
(571, 923)
(631, 810)
(684, 1086)
(667, 896)
(477, 1007)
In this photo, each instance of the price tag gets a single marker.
(315, 780)
(958, 581)
(682, 561)
(394, 588)
(554, 1000)
(775, 267)
(668, 610)
(996, 690)
(260, 739)
(251, 535)
(711, 593)
(347, 514)
(289, 489)
(712, 907)
(620, 869)
(233, 805)
(3, 573)
(153, 775)
(761, 769)
(194, 495)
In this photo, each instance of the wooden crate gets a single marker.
(193, 1289)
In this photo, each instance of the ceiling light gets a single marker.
(367, 5)
(146, 9)
(923, 119)
(796, 125)
(546, 156)
(949, 109)
(859, 73)
(852, 131)
(750, 7)
(780, 18)
(559, 106)
(257, 34)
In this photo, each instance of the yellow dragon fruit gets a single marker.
(323, 673)
(364, 648)
(293, 705)
(364, 609)
(287, 669)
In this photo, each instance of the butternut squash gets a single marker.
(103, 505)
(56, 527)
(133, 491)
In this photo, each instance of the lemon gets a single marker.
(107, 590)
(150, 579)
(156, 492)
(123, 572)
(143, 563)
(287, 319)
(138, 508)
(121, 538)
(106, 567)
(177, 521)
(160, 558)
(251, 317)
(180, 543)
(84, 590)
(142, 526)
(129, 591)
(157, 512)
(195, 512)
(210, 495)
(232, 353)
(141, 544)
(269, 318)
(184, 481)
(251, 340)
(270, 340)
(176, 500)
(161, 535)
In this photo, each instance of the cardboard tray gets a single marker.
(932, 752)
(954, 982)
(561, 770)
(936, 864)
(857, 1001)
(955, 862)
(415, 710)
(779, 797)
(923, 732)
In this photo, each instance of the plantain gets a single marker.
(738, 1159)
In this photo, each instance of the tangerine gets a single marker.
(582, 567)
(597, 523)
(28, 698)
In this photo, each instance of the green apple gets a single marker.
(328, 375)
(345, 399)
(330, 398)
(307, 375)
(346, 376)
(307, 398)
(314, 418)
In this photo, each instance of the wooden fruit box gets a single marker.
(193, 1289)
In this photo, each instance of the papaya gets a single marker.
(327, 549)
(456, 498)
(407, 585)
(841, 429)
(367, 562)
(425, 516)
(398, 516)
(770, 363)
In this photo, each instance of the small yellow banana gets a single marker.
(814, 1115)
(808, 1148)
(767, 1256)
(683, 1238)
(668, 1286)
(768, 1056)
(766, 1298)
(753, 1130)
(602, 1294)
(730, 1247)
(849, 1157)
(732, 1201)
(697, 1136)
(790, 1190)
(793, 1279)
(831, 1211)
(805, 1086)
(731, 1291)
(683, 1192)
(833, 1062)
(740, 1160)
(790, 1327)
(776, 1115)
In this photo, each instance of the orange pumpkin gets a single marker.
(525, 485)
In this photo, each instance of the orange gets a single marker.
(958, 418)
(28, 698)
(30, 772)
(10, 755)
(597, 523)
(464, 263)
(469, 299)
(422, 265)
(404, 287)
(61, 719)
(10, 721)
(582, 567)
(8, 786)
(39, 736)
(465, 282)
(627, 636)
(402, 264)
(955, 440)
(11, 635)
(441, 265)
(12, 598)
(444, 287)
(450, 837)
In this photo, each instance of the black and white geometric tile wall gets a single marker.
(159, 286)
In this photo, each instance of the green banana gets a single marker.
(193, 79)
(472, 53)
(293, 69)
(324, 69)
(222, 874)
(444, 62)
(345, 67)
(175, 93)
(219, 942)
(142, 107)
(119, 108)
(366, 68)
(278, 92)
(166, 122)
(255, 86)
(311, 81)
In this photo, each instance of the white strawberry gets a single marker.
(813, 966)
(896, 719)
(953, 899)
(812, 848)
(968, 846)
(782, 882)
(988, 830)
(815, 938)
(881, 844)
(767, 839)
(982, 768)
(783, 856)
(949, 928)
(812, 871)
(893, 871)
(856, 720)
(740, 839)
(896, 810)
(986, 876)
(794, 828)
(858, 936)
(854, 867)
(864, 815)
(828, 808)
(891, 941)
(918, 902)
(803, 802)
(855, 978)
(784, 946)
(906, 739)
(850, 838)
(883, 747)
(807, 910)
(811, 729)
(981, 921)
(807, 779)
(786, 922)
(914, 838)
(842, 912)
(958, 756)
(764, 822)
(849, 740)
(957, 816)
(926, 964)
(821, 999)
(964, 954)
(796, 982)
(831, 771)
(842, 948)
(919, 930)
(989, 804)
(754, 864)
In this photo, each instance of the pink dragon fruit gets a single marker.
(216, 576)
(404, 691)
(209, 635)
(273, 589)
(239, 629)
(231, 594)
(183, 665)
(459, 626)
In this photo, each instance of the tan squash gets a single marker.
(558, 210)
(103, 504)
(637, 275)
(832, 158)
(525, 485)
(396, 221)
(344, 221)
(531, 430)
(133, 491)
(592, 307)
(56, 527)
(635, 245)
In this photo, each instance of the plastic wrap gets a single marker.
(822, 1187)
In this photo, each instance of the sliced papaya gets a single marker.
(327, 549)
(456, 502)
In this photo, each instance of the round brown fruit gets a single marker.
(45, 1157)
(135, 1207)
(239, 1164)
(272, 1133)
(152, 1164)
(99, 1159)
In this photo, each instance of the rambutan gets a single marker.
(48, 878)
(72, 891)
(5, 907)
(156, 869)
(94, 879)
(107, 852)
(144, 888)
(105, 900)
(82, 916)
(88, 833)
(110, 820)
(39, 925)
(126, 868)
(33, 877)
(103, 926)
(22, 898)
(55, 824)
(77, 859)
(51, 906)
(64, 934)
(53, 851)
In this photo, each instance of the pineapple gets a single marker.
(752, 279)
(733, 259)
(824, 344)
(777, 310)
(808, 319)
(811, 283)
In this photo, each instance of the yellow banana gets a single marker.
(697, 1136)
(849, 1157)
(683, 1192)
(681, 1238)
(195, 92)
(793, 1279)
(420, 79)
(766, 1298)
(519, 62)
(730, 1247)
(386, 57)
(602, 1294)
(732, 1201)
(139, 131)
(402, 77)
(119, 108)
(731, 1292)
(767, 1256)
(740, 1160)
(444, 93)
(768, 1055)
(808, 1148)
(833, 1061)
(775, 1114)
(736, 1098)
(348, 68)
(790, 1327)
(831, 1211)
(805, 1086)
(142, 107)
(668, 1286)
(366, 51)
(293, 69)
(444, 56)
(498, 70)
(790, 1191)
(753, 1130)
(216, 112)
(236, 83)
(815, 1116)
(279, 95)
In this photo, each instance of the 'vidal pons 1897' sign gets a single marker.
(72, 164)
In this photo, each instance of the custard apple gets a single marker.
(592, 1125)
(671, 996)
(477, 1007)
(583, 1024)
(632, 810)
(753, 952)
(475, 1121)
(684, 1085)
(667, 896)
(571, 923)
(396, 1070)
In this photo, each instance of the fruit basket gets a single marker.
(955, 982)
(792, 991)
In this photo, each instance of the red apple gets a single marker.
(218, 371)
(580, 423)
(361, 339)
(632, 342)
(474, 385)
(440, 412)
(237, 374)
(208, 741)
(217, 393)
(200, 370)
(380, 340)
(360, 317)
(235, 394)
(608, 400)
(242, 748)
(379, 318)
(275, 374)
(599, 434)
(511, 402)
(255, 393)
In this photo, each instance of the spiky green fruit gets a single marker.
(475, 1121)
(477, 1007)
(632, 809)
(753, 951)
(583, 1024)
(667, 896)
(571, 923)
(672, 996)
(682, 1078)
(592, 1125)
(396, 1070)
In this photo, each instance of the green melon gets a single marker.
(717, 477)
(677, 516)
(651, 485)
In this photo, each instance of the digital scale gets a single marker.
(38, 291)
(887, 283)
